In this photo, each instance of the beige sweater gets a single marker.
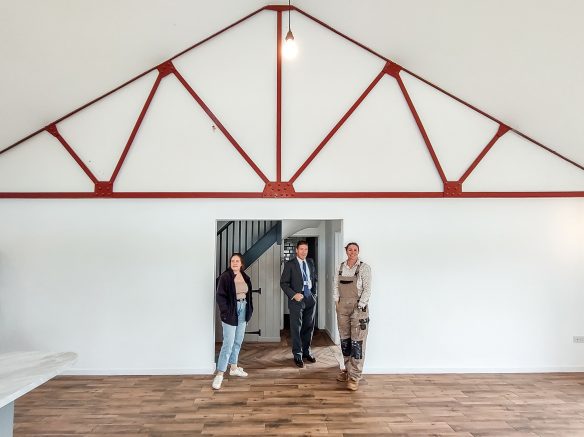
(240, 287)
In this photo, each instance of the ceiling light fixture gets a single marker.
(290, 48)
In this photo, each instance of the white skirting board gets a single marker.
(435, 370)
(369, 371)
(140, 372)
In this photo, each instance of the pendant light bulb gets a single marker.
(290, 48)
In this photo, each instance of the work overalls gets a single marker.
(353, 324)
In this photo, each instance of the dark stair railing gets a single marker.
(251, 238)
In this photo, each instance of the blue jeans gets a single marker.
(232, 339)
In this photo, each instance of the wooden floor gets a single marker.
(279, 399)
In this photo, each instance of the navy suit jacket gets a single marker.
(291, 280)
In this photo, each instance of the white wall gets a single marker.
(334, 256)
(290, 227)
(125, 285)
(458, 285)
(482, 284)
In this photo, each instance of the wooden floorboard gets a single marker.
(279, 399)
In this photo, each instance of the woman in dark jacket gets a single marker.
(236, 307)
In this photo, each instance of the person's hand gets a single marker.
(298, 297)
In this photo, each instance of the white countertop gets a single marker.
(21, 372)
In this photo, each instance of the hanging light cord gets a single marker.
(289, 11)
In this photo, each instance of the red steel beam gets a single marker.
(220, 126)
(279, 8)
(548, 149)
(137, 126)
(500, 132)
(302, 195)
(218, 33)
(342, 35)
(189, 195)
(421, 127)
(52, 129)
(135, 195)
(499, 194)
(279, 99)
(71, 195)
(338, 126)
(370, 195)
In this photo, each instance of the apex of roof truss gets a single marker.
(230, 117)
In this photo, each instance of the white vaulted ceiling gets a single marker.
(178, 148)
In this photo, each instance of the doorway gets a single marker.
(259, 241)
(268, 244)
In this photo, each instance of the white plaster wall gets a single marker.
(458, 284)
(335, 254)
(290, 227)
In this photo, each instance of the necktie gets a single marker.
(305, 289)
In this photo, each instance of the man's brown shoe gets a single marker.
(343, 376)
(352, 384)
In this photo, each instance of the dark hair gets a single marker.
(301, 243)
(240, 256)
(352, 243)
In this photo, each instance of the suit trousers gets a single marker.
(302, 324)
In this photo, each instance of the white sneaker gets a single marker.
(238, 372)
(217, 382)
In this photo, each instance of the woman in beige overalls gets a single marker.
(351, 292)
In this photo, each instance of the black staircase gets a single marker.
(251, 238)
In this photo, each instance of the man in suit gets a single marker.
(298, 282)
